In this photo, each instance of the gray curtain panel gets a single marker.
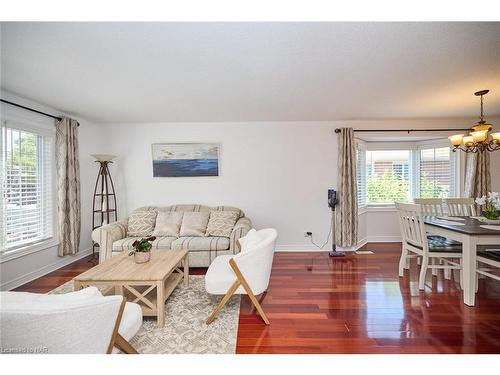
(68, 186)
(477, 174)
(346, 218)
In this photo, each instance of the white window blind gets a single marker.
(361, 175)
(388, 175)
(436, 172)
(27, 208)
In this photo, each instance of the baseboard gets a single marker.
(306, 248)
(64, 261)
(383, 239)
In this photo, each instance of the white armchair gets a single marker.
(79, 322)
(247, 272)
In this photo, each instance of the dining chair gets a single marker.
(430, 206)
(81, 322)
(247, 272)
(417, 243)
(460, 206)
(490, 256)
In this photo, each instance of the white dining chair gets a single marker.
(82, 322)
(460, 206)
(490, 256)
(430, 206)
(247, 272)
(417, 243)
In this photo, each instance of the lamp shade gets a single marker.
(468, 140)
(496, 136)
(479, 135)
(456, 139)
(103, 157)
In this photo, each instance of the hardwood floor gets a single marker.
(355, 304)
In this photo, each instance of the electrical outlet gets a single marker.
(308, 234)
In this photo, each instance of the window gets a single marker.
(361, 174)
(436, 177)
(392, 175)
(388, 180)
(27, 207)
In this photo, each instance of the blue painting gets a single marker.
(185, 159)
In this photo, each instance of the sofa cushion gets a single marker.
(194, 224)
(141, 222)
(221, 223)
(168, 224)
(201, 243)
(200, 208)
(161, 243)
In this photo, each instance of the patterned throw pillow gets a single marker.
(221, 223)
(194, 224)
(168, 224)
(141, 223)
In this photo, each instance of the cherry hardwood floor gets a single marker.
(355, 304)
(358, 304)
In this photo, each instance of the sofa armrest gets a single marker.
(107, 234)
(241, 228)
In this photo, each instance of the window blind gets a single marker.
(385, 176)
(436, 173)
(27, 208)
(361, 176)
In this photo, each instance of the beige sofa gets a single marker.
(113, 239)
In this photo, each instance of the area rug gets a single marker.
(185, 331)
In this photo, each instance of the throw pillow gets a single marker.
(141, 223)
(194, 224)
(221, 223)
(168, 223)
(249, 241)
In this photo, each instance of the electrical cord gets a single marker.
(327, 239)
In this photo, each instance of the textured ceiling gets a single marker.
(145, 72)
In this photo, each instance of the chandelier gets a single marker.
(479, 138)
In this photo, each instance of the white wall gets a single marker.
(20, 270)
(277, 173)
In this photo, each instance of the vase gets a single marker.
(142, 257)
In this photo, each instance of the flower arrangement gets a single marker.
(491, 205)
(142, 249)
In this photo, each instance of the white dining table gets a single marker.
(469, 232)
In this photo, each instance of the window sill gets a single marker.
(28, 249)
(378, 208)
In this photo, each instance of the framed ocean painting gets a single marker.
(185, 159)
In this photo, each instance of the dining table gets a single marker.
(470, 232)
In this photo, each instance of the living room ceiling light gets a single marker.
(478, 140)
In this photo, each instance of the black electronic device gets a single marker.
(332, 202)
(332, 198)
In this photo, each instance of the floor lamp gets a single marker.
(104, 203)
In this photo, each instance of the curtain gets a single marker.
(477, 174)
(68, 186)
(346, 218)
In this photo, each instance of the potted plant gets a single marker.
(490, 207)
(142, 249)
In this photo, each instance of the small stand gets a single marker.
(334, 253)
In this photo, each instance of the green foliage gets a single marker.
(24, 152)
(142, 246)
(387, 188)
(431, 189)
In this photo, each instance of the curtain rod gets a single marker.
(404, 130)
(31, 109)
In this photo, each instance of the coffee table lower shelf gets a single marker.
(151, 295)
